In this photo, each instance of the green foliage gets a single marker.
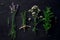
(24, 26)
(13, 9)
(23, 15)
(34, 11)
(47, 18)
(13, 31)
(34, 23)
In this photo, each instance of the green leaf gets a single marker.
(47, 18)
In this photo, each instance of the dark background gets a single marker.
(54, 32)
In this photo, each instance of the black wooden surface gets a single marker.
(54, 32)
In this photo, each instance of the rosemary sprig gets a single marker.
(24, 26)
(23, 18)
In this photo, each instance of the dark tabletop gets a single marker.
(54, 32)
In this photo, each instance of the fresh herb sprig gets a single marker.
(24, 26)
(34, 11)
(47, 18)
(13, 9)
